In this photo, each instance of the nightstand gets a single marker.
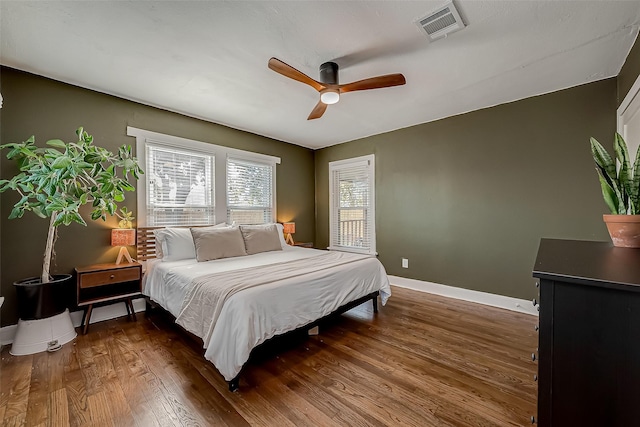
(304, 244)
(102, 284)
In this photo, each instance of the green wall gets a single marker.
(629, 72)
(49, 109)
(466, 199)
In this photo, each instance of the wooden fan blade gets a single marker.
(288, 71)
(318, 111)
(374, 83)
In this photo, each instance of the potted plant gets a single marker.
(621, 191)
(55, 182)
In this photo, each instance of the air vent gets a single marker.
(441, 22)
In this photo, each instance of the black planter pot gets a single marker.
(37, 300)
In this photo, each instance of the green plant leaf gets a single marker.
(76, 217)
(127, 186)
(608, 194)
(607, 170)
(38, 211)
(96, 214)
(4, 185)
(622, 154)
(634, 193)
(57, 143)
(59, 219)
(107, 188)
(15, 213)
(603, 159)
(93, 158)
(61, 162)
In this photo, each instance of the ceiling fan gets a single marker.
(328, 85)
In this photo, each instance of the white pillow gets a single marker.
(281, 234)
(159, 254)
(175, 244)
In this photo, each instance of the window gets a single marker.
(180, 186)
(249, 192)
(352, 210)
(190, 182)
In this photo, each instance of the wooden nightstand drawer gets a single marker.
(102, 278)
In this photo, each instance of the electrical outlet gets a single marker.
(405, 262)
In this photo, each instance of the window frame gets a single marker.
(345, 165)
(220, 153)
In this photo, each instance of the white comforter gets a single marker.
(280, 302)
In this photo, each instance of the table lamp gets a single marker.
(289, 229)
(123, 237)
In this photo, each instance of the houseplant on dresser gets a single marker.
(620, 186)
(54, 182)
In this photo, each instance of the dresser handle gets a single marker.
(535, 378)
(533, 357)
(112, 276)
(537, 284)
(533, 419)
(534, 302)
(537, 328)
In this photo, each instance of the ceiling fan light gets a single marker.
(329, 97)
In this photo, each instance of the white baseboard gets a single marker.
(494, 300)
(99, 314)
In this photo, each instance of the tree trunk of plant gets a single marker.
(48, 251)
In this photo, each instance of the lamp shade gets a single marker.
(123, 237)
(289, 227)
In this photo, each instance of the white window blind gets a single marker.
(352, 216)
(250, 195)
(180, 186)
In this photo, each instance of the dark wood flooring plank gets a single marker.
(197, 390)
(129, 368)
(15, 421)
(59, 408)
(99, 406)
(248, 402)
(38, 406)
(286, 402)
(14, 385)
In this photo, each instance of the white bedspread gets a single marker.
(254, 313)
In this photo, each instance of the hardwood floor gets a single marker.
(423, 360)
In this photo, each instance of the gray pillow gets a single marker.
(260, 238)
(215, 243)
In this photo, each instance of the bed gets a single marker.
(235, 303)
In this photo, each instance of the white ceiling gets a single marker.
(209, 59)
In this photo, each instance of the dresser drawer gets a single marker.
(101, 278)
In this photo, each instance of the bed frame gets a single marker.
(146, 247)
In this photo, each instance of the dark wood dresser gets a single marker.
(589, 342)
